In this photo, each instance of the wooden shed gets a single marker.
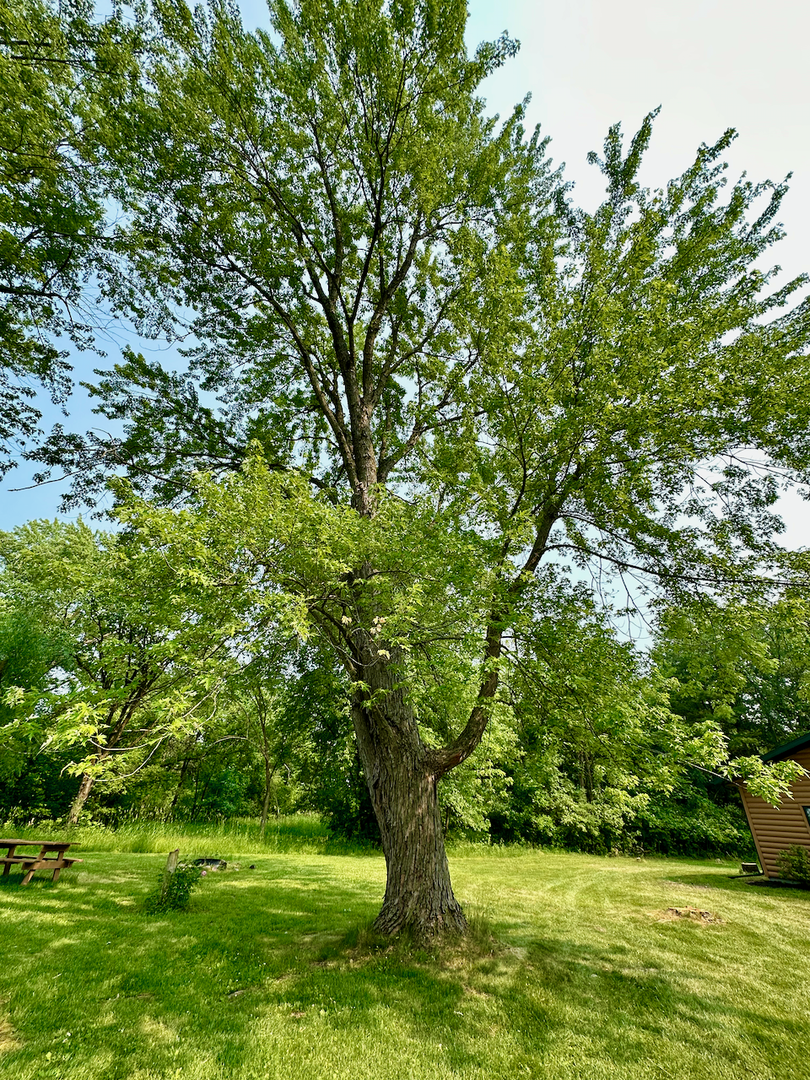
(776, 827)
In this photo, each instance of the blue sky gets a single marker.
(710, 64)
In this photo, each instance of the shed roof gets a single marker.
(786, 749)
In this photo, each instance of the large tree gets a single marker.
(456, 381)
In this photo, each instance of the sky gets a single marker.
(709, 64)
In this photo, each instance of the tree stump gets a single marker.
(171, 866)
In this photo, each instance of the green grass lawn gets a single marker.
(271, 973)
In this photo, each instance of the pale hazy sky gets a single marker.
(711, 65)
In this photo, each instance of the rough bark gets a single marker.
(418, 893)
(403, 788)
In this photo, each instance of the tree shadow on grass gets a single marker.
(623, 1008)
(266, 968)
(733, 883)
(90, 979)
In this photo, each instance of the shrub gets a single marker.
(692, 824)
(794, 864)
(174, 890)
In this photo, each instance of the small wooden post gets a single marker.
(171, 866)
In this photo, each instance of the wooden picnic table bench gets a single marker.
(51, 857)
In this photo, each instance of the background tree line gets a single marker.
(117, 703)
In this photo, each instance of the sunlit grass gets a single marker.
(575, 971)
(293, 832)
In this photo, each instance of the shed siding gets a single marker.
(775, 828)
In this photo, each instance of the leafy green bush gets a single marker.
(174, 889)
(794, 864)
(692, 824)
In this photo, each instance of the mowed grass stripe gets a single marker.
(574, 971)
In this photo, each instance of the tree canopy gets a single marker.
(52, 199)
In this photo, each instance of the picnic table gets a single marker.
(51, 857)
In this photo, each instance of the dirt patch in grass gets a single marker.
(8, 1037)
(673, 914)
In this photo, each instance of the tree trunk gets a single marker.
(171, 866)
(196, 789)
(183, 771)
(269, 770)
(268, 790)
(81, 798)
(418, 893)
